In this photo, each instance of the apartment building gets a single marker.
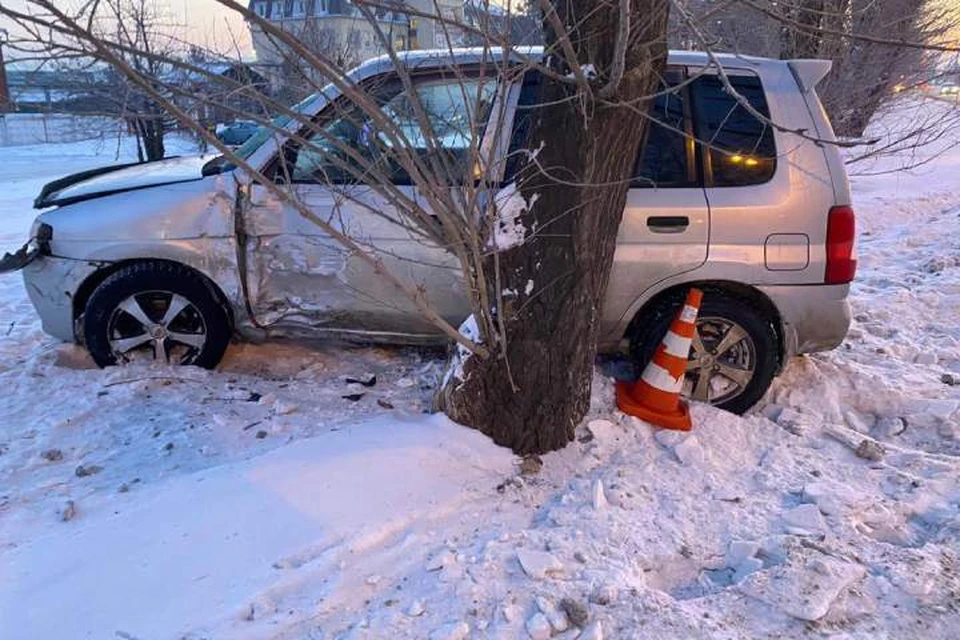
(339, 30)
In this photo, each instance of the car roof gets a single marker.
(425, 59)
(438, 59)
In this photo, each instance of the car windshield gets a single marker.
(221, 164)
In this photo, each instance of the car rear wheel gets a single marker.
(156, 311)
(734, 356)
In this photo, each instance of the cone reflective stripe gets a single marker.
(655, 397)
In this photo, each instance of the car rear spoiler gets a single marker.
(809, 73)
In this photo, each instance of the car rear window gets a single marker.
(739, 148)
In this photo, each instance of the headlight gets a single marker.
(41, 233)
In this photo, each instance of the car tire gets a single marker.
(130, 308)
(758, 351)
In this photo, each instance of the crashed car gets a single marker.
(172, 259)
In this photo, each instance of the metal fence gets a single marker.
(21, 129)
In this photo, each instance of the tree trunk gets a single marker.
(153, 138)
(534, 389)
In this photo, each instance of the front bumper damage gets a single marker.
(19, 259)
(52, 284)
(38, 245)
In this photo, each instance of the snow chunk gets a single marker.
(740, 550)
(555, 615)
(282, 408)
(416, 609)
(471, 331)
(451, 631)
(588, 71)
(889, 426)
(805, 585)
(804, 520)
(599, 497)
(829, 499)
(741, 558)
(669, 438)
(440, 560)
(538, 564)
(690, 452)
(510, 206)
(538, 627)
(593, 631)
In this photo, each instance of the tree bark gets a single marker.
(152, 132)
(535, 388)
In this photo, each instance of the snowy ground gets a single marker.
(257, 502)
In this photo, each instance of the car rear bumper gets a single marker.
(52, 283)
(814, 317)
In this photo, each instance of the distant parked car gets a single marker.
(171, 259)
(949, 89)
(237, 133)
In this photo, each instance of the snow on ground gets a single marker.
(257, 502)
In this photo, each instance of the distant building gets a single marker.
(339, 30)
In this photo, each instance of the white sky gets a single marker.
(204, 22)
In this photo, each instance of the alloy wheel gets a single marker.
(722, 363)
(163, 323)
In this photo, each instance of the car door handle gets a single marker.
(668, 224)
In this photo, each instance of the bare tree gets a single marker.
(143, 30)
(875, 45)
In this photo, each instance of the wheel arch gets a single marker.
(724, 287)
(95, 279)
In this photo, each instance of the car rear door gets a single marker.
(666, 224)
(769, 190)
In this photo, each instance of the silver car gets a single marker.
(173, 258)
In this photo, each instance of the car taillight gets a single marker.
(841, 233)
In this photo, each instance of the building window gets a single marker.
(261, 9)
(321, 7)
(276, 12)
(299, 8)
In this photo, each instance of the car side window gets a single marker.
(740, 149)
(668, 156)
(353, 144)
(666, 159)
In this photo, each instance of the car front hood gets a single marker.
(105, 181)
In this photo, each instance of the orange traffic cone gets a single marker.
(655, 397)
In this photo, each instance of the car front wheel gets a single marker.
(734, 356)
(156, 310)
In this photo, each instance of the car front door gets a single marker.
(299, 277)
